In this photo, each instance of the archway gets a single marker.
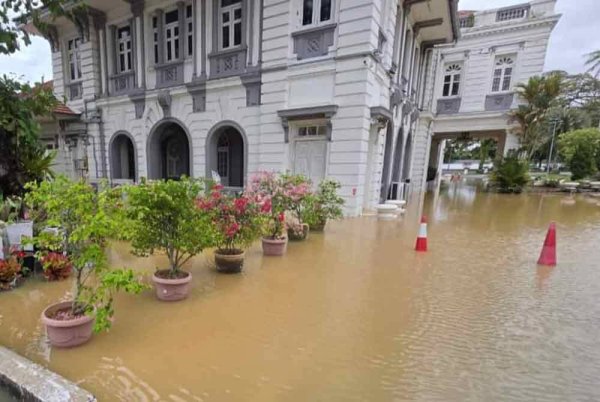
(168, 151)
(226, 155)
(122, 155)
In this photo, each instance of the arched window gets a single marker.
(503, 71)
(452, 80)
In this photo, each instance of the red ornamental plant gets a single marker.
(56, 266)
(10, 271)
(238, 220)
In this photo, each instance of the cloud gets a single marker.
(31, 63)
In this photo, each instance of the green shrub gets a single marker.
(325, 204)
(580, 149)
(510, 175)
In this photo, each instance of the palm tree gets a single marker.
(540, 93)
(594, 62)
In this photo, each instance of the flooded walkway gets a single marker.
(356, 315)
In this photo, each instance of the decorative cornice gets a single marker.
(502, 28)
(312, 112)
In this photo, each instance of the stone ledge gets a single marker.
(31, 382)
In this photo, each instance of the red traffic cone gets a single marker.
(548, 255)
(422, 237)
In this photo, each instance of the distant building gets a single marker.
(160, 89)
(475, 78)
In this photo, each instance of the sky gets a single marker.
(577, 34)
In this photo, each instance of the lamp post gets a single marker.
(555, 122)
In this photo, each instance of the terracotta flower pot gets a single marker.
(171, 289)
(229, 263)
(274, 247)
(67, 333)
(299, 235)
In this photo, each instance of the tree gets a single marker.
(581, 150)
(540, 93)
(22, 158)
(510, 175)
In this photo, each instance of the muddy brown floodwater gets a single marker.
(356, 315)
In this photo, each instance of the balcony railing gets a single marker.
(168, 75)
(512, 13)
(123, 83)
(75, 90)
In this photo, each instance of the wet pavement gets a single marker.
(355, 314)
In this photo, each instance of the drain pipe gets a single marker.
(97, 119)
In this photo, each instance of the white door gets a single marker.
(310, 159)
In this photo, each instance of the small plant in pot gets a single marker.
(297, 193)
(325, 204)
(164, 217)
(268, 190)
(85, 216)
(238, 222)
(10, 273)
(55, 266)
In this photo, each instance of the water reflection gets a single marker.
(356, 314)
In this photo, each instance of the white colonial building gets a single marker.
(476, 76)
(160, 89)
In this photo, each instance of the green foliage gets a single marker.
(324, 204)
(541, 93)
(22, 157)
(580, 149)
(85, 218)
(510, 175)
(594, 62)
(11, 210)
(164, 217)
(15, 13)
(238, 220)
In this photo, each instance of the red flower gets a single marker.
(266, 207)
(240, 204)
(281, 217)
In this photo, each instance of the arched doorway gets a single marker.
(122, 157)
(226, 156)
(168, 151)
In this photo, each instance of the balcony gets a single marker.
(499, 102)
(512, 13)
(448, 106)
(228, 62)
(169, 75)
(75, 90)
(123, 83)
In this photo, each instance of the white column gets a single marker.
(139, 42)
(103, 72)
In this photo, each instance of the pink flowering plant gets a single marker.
(278, 194)
(238, 220)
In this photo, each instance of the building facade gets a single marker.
(226, 88)
(476, 77)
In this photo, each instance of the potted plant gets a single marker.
(297, 193)
(10, 273)
(87, 223)
(164, 217)
(55, 266)
(322, 206)
(237, 221)
(268, 190)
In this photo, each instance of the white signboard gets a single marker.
(17, 232)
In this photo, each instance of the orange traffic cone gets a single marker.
(548, 254)
(422, 237)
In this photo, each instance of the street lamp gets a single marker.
(555, 121)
